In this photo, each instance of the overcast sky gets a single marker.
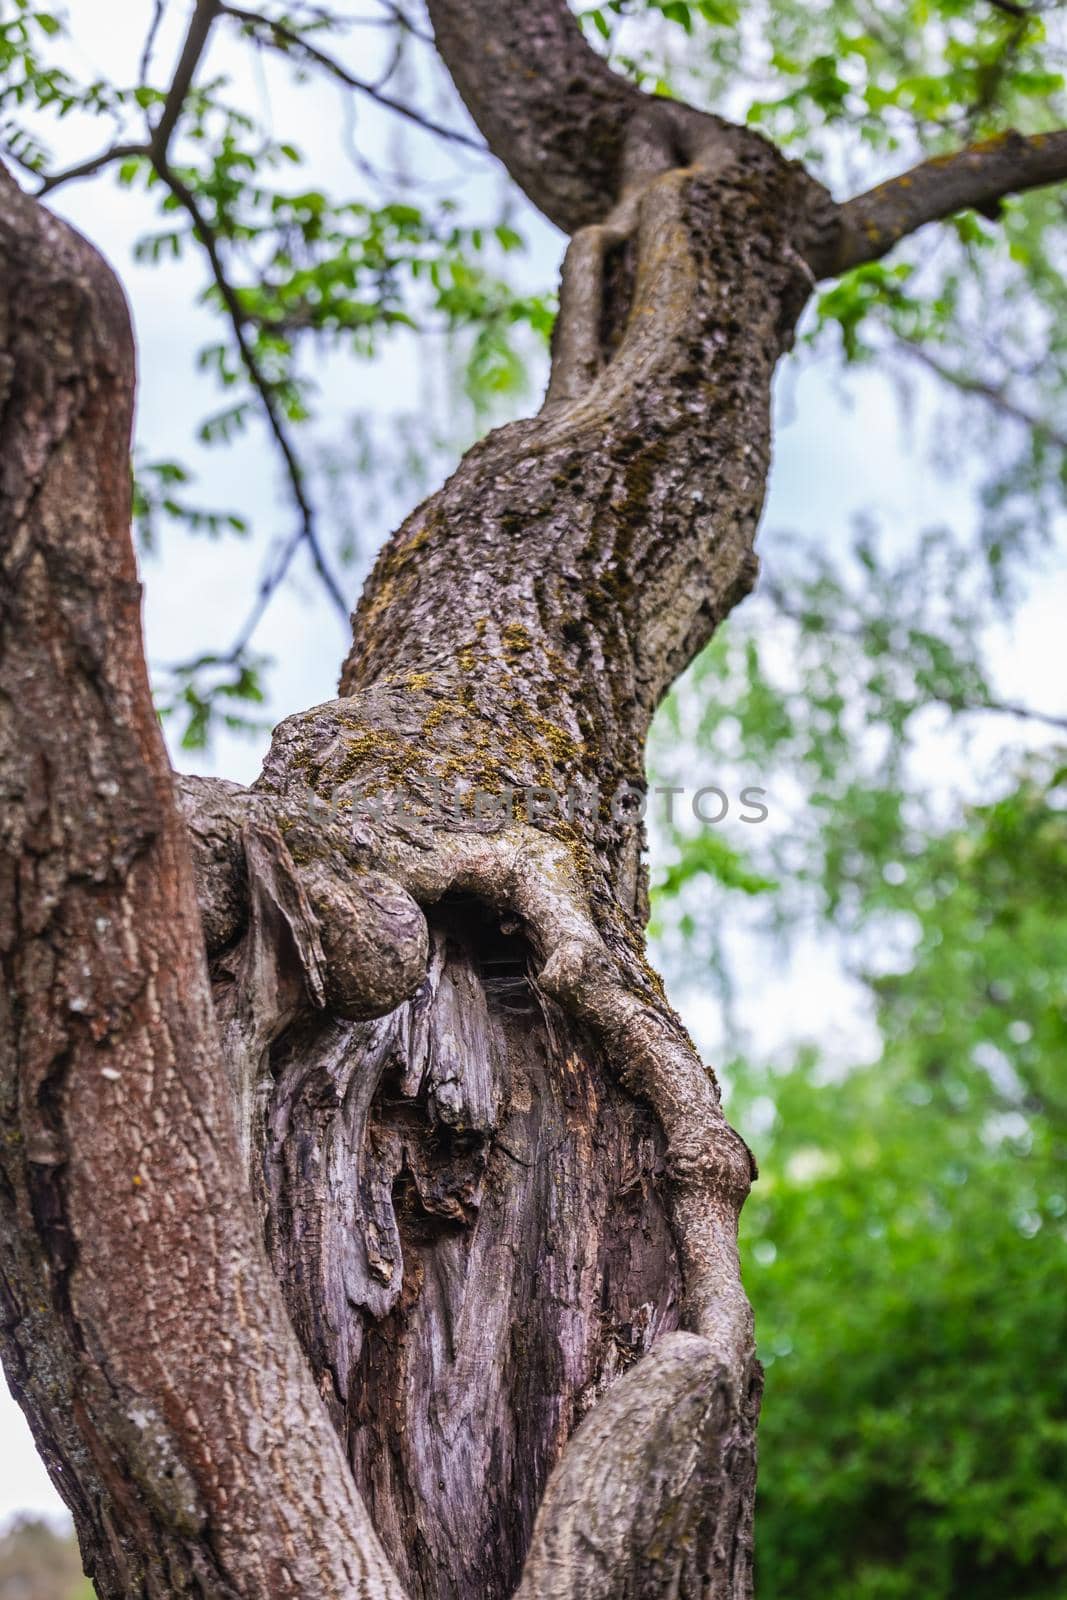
(836, 455)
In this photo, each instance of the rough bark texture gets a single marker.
(142, 1328)
(489, 1170)
(492, 1176)
(402, 1259)
(488, 1202)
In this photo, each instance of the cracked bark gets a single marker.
(488, 1203)
(375, 1234)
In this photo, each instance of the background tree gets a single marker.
(37, 1563)
(517, 632)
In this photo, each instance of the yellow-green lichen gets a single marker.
(515, 639)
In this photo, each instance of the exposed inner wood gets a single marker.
(466, 1211)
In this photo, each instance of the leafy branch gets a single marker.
(156, 152)
(211, 233)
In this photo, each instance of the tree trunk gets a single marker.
(441, 1084)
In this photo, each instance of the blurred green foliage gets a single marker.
(906, 1245)
(906, 1249)
(38, 1562)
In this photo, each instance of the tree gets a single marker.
(37, 1564)
(370, 1219)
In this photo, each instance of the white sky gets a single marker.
(832, 460)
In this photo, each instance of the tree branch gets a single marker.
(1004, 708)
(203, 19)
(974, 179)
(94, 164)
(159, 6)
(550, 108)
(953, 702)
(306, 512)
(156, 150)
(1010, 9)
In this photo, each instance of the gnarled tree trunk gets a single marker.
(486, 1204)
(369, 1221)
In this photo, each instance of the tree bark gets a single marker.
(142, 1329)
(493, 1178)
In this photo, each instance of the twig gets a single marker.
(985, 391)
(268, 585)
(150, 40)
(85, 169)
(156, 150)
(1007, 708)
(206, 234)
(955, 702)
(1010, 9)
(286, 38)
(204, 16)
(394, 61)
(401, 18)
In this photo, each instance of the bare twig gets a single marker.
(94, 164)
(400, 17)
(268, 585)
(955, 702)
(1006, 708)
(285, 39)
(993, 74)
(396, 56)
(150, 40)
(995, 397)
(1010, 9)
(228, 294)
